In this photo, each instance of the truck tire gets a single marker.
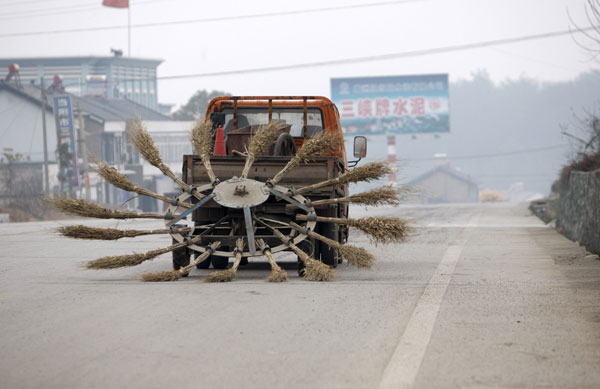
(219, 262)
(204, 264)
(181, 258)
(285, 145)
(328, 255)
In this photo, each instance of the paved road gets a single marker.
(480, 296)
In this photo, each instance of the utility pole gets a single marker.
(46, 174)
(86, 178)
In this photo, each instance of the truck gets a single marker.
(249, 208)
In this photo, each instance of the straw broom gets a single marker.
(370, 171)
(314, 270)
(325, 142)
(88, 209)
(380, 229)
(119, 180)
(277, 273)
(201, 137)
(84, 232)
(145, 145)
(260, 143)
(356, 256)
(379, 196)
(117, 261)
(174, 275)
(229, 274)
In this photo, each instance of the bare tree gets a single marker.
(591, 33)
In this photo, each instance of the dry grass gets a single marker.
(314, 270)
(221, 276)
(162, 276)
(381, 229)
(490, 196)
(324, 142)
(146, 147)
(119, 180)
(144, 142)
(379, 196)
(264, 137)
(84, 232)
(366, 173)
(88, 209)
(201, 137)
(583, 162)
(317, 271)
(356, 256)
(261, 142)
(118, 261)
(277, 275)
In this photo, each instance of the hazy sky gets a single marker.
(303, 38)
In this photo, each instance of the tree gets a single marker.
(591, 33)
(196, 105)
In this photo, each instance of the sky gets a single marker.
(332, 32)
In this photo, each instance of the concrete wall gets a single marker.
(21, 127)
(579, 210)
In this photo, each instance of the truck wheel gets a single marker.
(219, 262)
(285, 145)
(204, 264)
(328, 255)
(181, 258)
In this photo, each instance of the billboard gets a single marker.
(63, 115)
(392, 104)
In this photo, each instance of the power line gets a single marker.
(381, 57)
(63, 10)
(211, 20)
(493, 155)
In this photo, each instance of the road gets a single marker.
(479, 296)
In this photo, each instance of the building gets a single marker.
(444, 184)
(109, 77)
(105, 121)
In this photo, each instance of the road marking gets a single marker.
(401, 371)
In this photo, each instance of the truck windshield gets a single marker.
(292, 116)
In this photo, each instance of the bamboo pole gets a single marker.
(381, 229)
(368, 172)
(322, 143)
(94, 233)
(277, 273)
(201, 138)
(260, 143)
(229, 274)
(174, 275)
(88, 209)
(314, 270)
(119, 180)
(384, 195)
(353, 255)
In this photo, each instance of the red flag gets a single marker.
(116, 3)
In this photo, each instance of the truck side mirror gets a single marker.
(360, 147)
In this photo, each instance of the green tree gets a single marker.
(196, 105)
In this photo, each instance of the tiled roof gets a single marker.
(106, 109)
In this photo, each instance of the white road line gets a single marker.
(402, 369)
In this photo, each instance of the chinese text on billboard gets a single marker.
(393, 104)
